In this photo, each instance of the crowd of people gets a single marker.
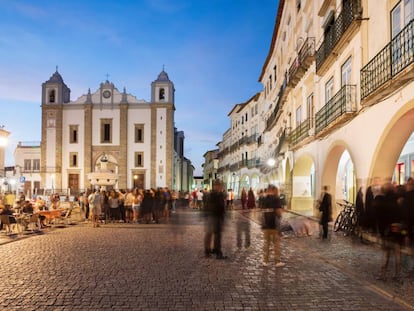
(129, 206)
(387, 210)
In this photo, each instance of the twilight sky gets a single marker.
(212, 50)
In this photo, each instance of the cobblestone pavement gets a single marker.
(162, 267)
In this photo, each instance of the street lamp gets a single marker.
(271, 162)
(135, 181)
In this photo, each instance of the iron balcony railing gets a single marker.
(390, 61)
(252, 163)
(252, 139)
(301, 63)
(342, 103)
(277, 110)
(234, 167)
(300, 132)
(350, 12)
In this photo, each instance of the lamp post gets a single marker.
(53, 180)
(135, 181)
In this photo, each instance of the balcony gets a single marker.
(339, 34)
(302, 62)
(336, 111)
(252, 163)
(234, 167)
(252, 139)
(391, 68)
(300, 132)
(282, 95)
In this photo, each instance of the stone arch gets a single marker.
(112, 162)
(391, 142)
(244, 183)
(302, 199)
(331, 165)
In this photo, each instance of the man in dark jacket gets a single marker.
(325, 208)
(215, 218)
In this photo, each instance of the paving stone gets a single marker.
(162, 267)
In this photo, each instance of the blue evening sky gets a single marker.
(212, 50)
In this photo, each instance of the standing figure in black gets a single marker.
(216, 204)
(325, 208)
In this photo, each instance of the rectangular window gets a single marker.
(73, 132)
(329, 90)
(73, 158)
(27, 165)
(310, 110)
(256, 109)
(346, 70)
(106, 130)
(139, 159)
(298, 116)
(139, 133)
(36, 164)
(396, 20)
(298, 5)
(408, 11)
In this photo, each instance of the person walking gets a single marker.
(388, 219)
(325, 207)
(95, 203)
(215, 210)
(243, 198)
(271, 225)
(251, 200)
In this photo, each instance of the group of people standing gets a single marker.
(131, 206)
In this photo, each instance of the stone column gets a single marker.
(87, 145)
(123, 148)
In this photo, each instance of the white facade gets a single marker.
(337, 98)
(136, 136)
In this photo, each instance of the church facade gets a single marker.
(136, 136)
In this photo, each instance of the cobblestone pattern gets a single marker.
(162, 267)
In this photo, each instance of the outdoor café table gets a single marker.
(53, 214)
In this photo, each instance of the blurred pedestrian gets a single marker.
(370, 214)
(271, 225)
(214, 221)
(243, 198)
(147, 206)
(95, 204)
(251, 199)
(388, 219)
(408, 221)
(243, 232)
(325, 208)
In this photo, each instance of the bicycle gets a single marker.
(347, 219)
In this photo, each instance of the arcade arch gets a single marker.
(392, 142)
(303, 185)
(339, 174)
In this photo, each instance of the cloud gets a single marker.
(29, 10)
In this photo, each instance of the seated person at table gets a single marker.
(8, 211)
(40, 204)
(27, 208)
